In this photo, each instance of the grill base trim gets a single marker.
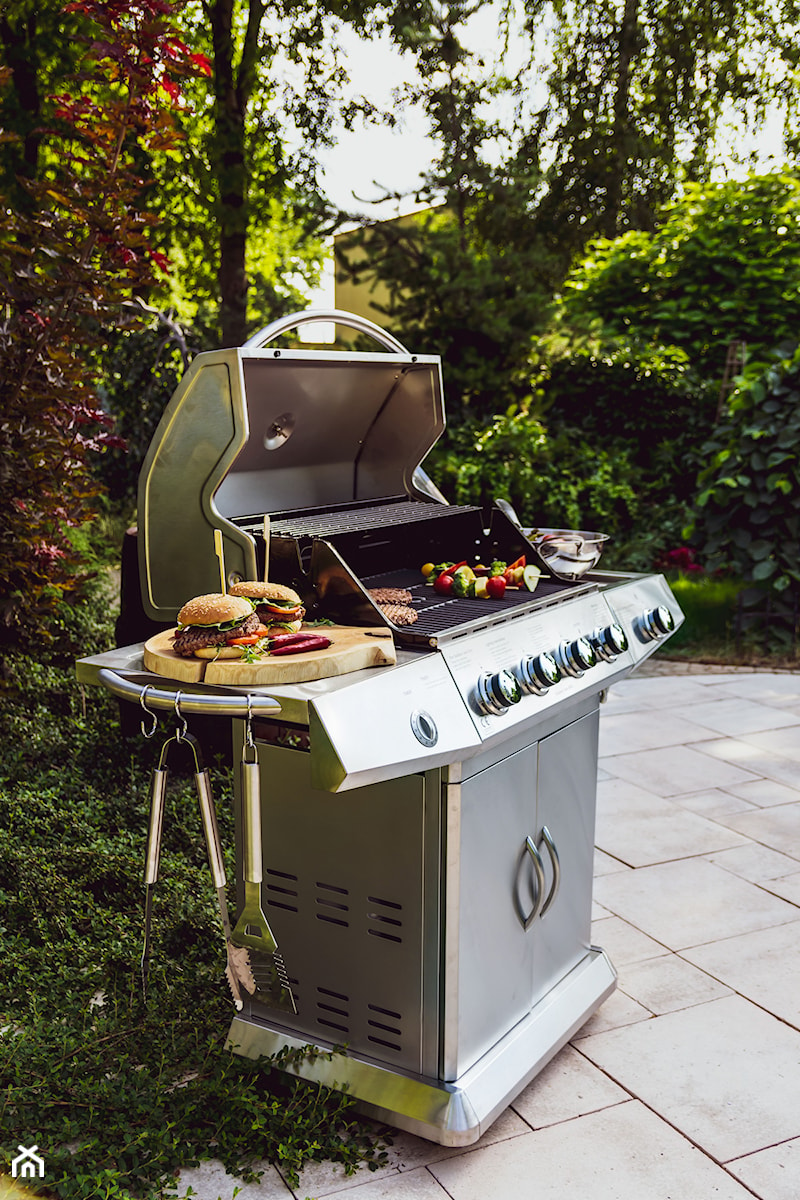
(458, 1113)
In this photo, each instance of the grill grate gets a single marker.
(442, 614)
(332, 523)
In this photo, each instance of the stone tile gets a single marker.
(568, 1087)
(624, 733)
(725, 1074)
(677, 770)
(773, 1174)
(764, 687)
(210, 1181)
(753, 862)
(668, 983)
(763, 966)
(757, 762)
(620, 1153)
(778, 828)
(412, 1185)
(623, 942)
(604, 864)
(716, 802)
(735, 717)
(690, 903)
(666, 691)
(406, 1153)
(614, 1013)
(787, 888)
(783, 742)
(765, 793)
(640, 828)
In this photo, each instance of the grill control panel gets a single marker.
(513, 671)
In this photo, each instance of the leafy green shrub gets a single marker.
(551, 481)
(645, 396)
(140, 370)
(722, 265)
(748, 507)
(747, 512)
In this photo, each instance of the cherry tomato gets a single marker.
(444, 585)
(496, 587)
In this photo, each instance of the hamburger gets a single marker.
(207, 624)
(278, 608)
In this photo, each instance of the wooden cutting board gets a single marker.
(352, 648)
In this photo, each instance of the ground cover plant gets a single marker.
(119, 1090)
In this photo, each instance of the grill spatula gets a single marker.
(252, 928)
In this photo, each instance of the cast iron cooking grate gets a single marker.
(441, 614)
(355, 519)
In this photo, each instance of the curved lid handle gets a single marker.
(312, 316)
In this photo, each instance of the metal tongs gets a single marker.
(252, 929)
(237, 971)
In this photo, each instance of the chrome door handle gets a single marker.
(538, 870)
(547, 838)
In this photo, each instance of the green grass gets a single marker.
(709, 632)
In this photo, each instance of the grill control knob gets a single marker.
(538, 673)
(656, 623)
(576, 657)
(496, 693)
(610, 642)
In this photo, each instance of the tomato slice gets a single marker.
(249, 639)
(288, 614)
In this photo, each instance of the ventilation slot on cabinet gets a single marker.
(280, 893)
(386, 1032)
(388, 925)
(331, 901)
(332, 1010)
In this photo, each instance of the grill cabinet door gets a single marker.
(566, 789)
(488, 886)
(503, 968)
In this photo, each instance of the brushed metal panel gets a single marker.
(344, 891)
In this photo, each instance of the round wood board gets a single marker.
(352, 648)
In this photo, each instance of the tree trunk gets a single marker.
(233, 87)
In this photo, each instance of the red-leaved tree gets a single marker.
(67, 265)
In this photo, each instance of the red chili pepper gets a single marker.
(310, 643)
(285, 639)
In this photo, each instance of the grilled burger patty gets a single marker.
(390, 595)
(399, 614)
(196, 637)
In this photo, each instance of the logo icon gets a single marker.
(28, 1164)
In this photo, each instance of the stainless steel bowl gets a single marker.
(568, 553)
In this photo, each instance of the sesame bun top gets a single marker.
(256, 590)
(215, 608)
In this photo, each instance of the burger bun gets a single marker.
(256, 590)
(214, 609)
(217, 652)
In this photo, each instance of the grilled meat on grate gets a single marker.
(399, 614)
(390, 595)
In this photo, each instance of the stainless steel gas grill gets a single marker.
(427, 827)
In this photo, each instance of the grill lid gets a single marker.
(259, 429)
